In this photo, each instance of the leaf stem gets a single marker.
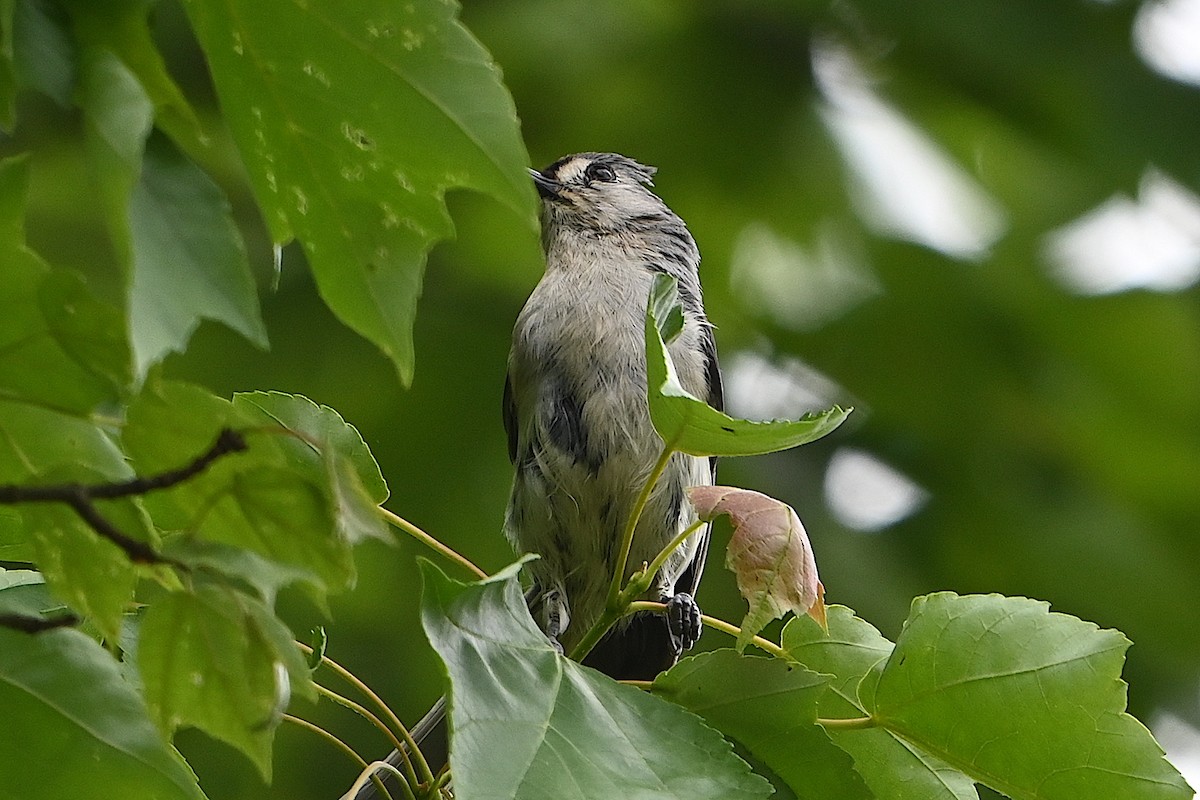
(618, 598)
(369, 774)
(345, 749)
(422, 766)
(851, 724)
(366, 714)
(733, 630)
(671, 547)
(614, 589)
(430, 542)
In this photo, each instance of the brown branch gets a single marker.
(30, 624)
(81, 497)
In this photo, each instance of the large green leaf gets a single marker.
(171, 226)
(353, 122)
(220, 661)
(75, 728)
(527, 723)
(770, 706)
(34, 440)
(890, 766)
(1026, 701)
(690, 425)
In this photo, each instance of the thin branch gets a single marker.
(430, 542)
(31, 624)
(81, 498)
(228, 441)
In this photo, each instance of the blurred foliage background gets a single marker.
(975, 222)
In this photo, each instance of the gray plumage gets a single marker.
(579, 430)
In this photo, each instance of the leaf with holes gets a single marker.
(353, 122)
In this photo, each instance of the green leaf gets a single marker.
(286, 498)
(690, 425)
(24, 591)
(8, 76)
(90, 573)
(92, 728)
(357, 487)
(1029, 702)
(770, 706)
(34, 440)
(352, 127)
(122, 29)
(43, 54)
(189, 262)
(220, 661)
(117, 117)
(243, 567)
(528, 723)
(59, 347)
(891, 767)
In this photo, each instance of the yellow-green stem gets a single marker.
(419, 762)
(366, 714)
(430, 542)
(614, 589)
(758, 641)
(665, 553)
(852, 724)
(347, 750)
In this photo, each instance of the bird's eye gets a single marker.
(601, 172)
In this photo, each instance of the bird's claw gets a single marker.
(683, 622)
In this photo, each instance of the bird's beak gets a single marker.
(548, 188)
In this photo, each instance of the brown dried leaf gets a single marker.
(769, 554)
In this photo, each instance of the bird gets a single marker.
(577, 419)
(576, 414)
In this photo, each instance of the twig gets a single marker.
(31, 624)
(81, 498)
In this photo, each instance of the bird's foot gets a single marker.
(683, 622)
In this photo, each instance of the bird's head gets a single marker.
(598, 193)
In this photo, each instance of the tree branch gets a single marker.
(81, 497)
(30, 624)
